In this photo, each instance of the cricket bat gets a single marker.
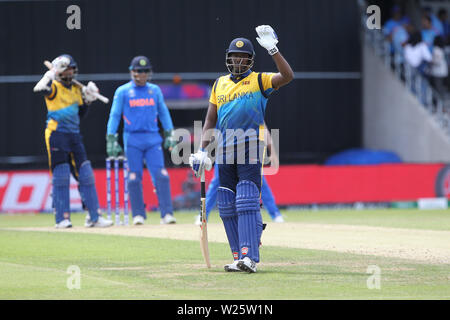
(203, 226)
(103, 99)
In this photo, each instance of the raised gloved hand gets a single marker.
(267, 38)
(60, 64)
(113, 148)
(43, 84)
(90, 92)
(169, 140)
(199, 162)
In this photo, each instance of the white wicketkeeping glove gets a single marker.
(60, 64)
(199, 162)
(267, 38)
(90, 92)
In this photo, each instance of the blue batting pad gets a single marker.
(87, 190)
(249, 221)
(227, 209)
(61, 191)
(136, 196)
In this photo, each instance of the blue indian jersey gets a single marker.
(140, 107)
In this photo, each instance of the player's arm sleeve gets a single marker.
(265, 83)
(115, 113)
(163, 112)
(212, 97)
(49, 93)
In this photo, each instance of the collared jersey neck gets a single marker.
(238, 78)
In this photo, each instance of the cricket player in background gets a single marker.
(66, 103)
(237, 106)
(141, 104)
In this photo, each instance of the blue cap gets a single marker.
(241, 45)
(140, 63)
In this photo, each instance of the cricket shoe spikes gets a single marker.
(64, 224)
(247, 265)
(232, 267)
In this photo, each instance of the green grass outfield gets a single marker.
(33, 264)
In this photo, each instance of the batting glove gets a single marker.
(89, 92)
(43, 84)
(199, 162)
(113, 148)
(60, 64)
(267, 38)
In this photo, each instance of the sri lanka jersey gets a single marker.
(241, 104)
(62, 108)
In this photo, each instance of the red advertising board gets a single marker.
(30, 191)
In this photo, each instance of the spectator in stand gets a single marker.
(436, 23)
(417, 53)
(396, 20)
(400, 37)
(418, 56)
(428, 32)
(439, 67)
(443, 17)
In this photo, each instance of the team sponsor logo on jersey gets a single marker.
(244, 83)
(131, 93)
(141, 102)
(244, 251)
(224, 98)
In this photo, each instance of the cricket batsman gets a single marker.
(267, 197)
(66, 103)
(141, 104)
(237, 105)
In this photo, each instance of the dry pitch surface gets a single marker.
(419, 245)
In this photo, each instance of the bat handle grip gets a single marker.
(102, 98)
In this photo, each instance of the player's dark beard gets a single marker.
(67, 80)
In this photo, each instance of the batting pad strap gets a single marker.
(226, 203)
(247, 198)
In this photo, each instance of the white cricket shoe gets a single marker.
(168, 219)
(64, 224)
(198, 220)
(138, 220)
(247, 265)
(101, 222)
(232, 267)
(279, 219)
